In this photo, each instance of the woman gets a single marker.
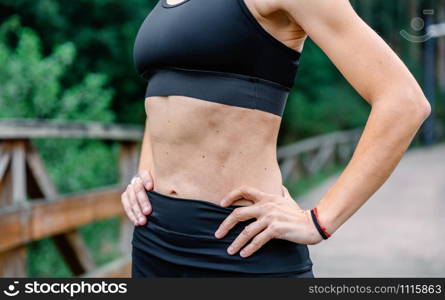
(209, 200)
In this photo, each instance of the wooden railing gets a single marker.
(46, 213)
(310, 155)
(31, 207)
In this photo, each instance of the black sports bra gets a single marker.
(214, 50)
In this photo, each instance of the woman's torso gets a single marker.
(202, 149)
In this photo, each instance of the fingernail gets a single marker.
(146, 209)
(243, 253)
(230, 250)
(141, 220)
(217, 233)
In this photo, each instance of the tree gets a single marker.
(102, 31)
(31, 87)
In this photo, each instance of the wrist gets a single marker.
(314, 236)
(318, 225)
(326, 219)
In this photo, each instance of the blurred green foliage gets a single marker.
(102, 31)
(322, 101)
(32, 84)
(32, 87)
(43, 260)
(76, 164)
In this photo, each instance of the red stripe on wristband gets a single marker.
(321, 226)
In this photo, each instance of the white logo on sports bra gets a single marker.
(175, 2)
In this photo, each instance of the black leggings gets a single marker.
(178, 241)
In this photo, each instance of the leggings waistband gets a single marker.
(189, 216)
(181, 231)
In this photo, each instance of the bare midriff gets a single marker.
(202, 150)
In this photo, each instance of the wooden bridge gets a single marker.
(31, 208)
(398, 232)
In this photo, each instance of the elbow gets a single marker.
(411, 105)
(425, 109)
(420, 107)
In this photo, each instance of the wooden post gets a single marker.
(343, 152)
(13, 262)
(5, 174)
(322, 157)
(75, 252)
(5, 157)
(128, 165)
(18, 172)
(13, 191)
(39, 181)
(128, 161)
(70, 245)
(25, 158)
(23, 176)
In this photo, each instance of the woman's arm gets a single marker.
(398, 110)
(399, 106)
(135, 200)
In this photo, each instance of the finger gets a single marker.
(127, 208)
(258, 242)
(237, 215)
(141, 196)
(246, 235)
(135, 206)
(244, 192)
(147, 180)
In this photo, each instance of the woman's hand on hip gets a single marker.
(135, 200)
(277, 217)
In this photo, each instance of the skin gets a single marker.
(209, 151)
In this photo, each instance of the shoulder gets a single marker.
(307, 11)
(311, 5)
(264, 7)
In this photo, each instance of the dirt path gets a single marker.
(400, 231)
